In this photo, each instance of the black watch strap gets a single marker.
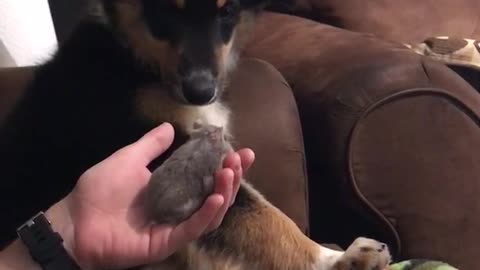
(45, 245)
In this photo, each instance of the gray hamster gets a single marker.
(179, 186)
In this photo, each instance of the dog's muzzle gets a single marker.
(199, 87)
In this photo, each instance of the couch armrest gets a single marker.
(266, 119)
(390, 137)
(12, 83)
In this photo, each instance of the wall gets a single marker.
(26, 31)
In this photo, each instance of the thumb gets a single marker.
(154, 143)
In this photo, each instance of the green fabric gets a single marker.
(421, 265)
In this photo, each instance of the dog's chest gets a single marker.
(157, 107)
(214, 114)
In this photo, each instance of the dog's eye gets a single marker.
(229, 10)
(161, 18)
(228, 16)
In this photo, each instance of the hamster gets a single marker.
(179, 186)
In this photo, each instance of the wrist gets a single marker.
(60, 219)
(16, 256)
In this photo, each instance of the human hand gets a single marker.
(103, 224)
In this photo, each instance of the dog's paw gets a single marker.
(364, 254)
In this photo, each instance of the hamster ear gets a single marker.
(197, 125)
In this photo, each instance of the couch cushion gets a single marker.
(404, 20)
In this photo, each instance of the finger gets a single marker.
(233, 161)
(238, 174)
(223, 186)
(247, 156)
(154, 143)
(193, 227)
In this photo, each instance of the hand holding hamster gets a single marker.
(107, 205)
(179, 186)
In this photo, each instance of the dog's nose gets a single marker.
(199, 88)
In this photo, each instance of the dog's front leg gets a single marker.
(364, 254)
(256, 235)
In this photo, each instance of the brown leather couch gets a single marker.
(390, 136)
(355, 134)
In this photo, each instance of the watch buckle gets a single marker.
(31, 221)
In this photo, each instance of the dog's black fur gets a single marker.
(75, 112)
(78, 108)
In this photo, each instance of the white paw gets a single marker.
(364, 254)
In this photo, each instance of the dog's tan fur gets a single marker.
(223, 53)
(180, 3)
(264, 226)
(157, 106)
(221, 3)
(254, 234)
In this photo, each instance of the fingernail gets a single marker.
(231, 173)
(164, 127)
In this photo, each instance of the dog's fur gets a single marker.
(125, 69)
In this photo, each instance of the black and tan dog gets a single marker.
(129, 66)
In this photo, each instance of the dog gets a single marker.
(130, 65)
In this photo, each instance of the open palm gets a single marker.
(109, 228)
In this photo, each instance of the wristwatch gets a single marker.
(45, 245)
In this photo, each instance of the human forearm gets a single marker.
(17, 257)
